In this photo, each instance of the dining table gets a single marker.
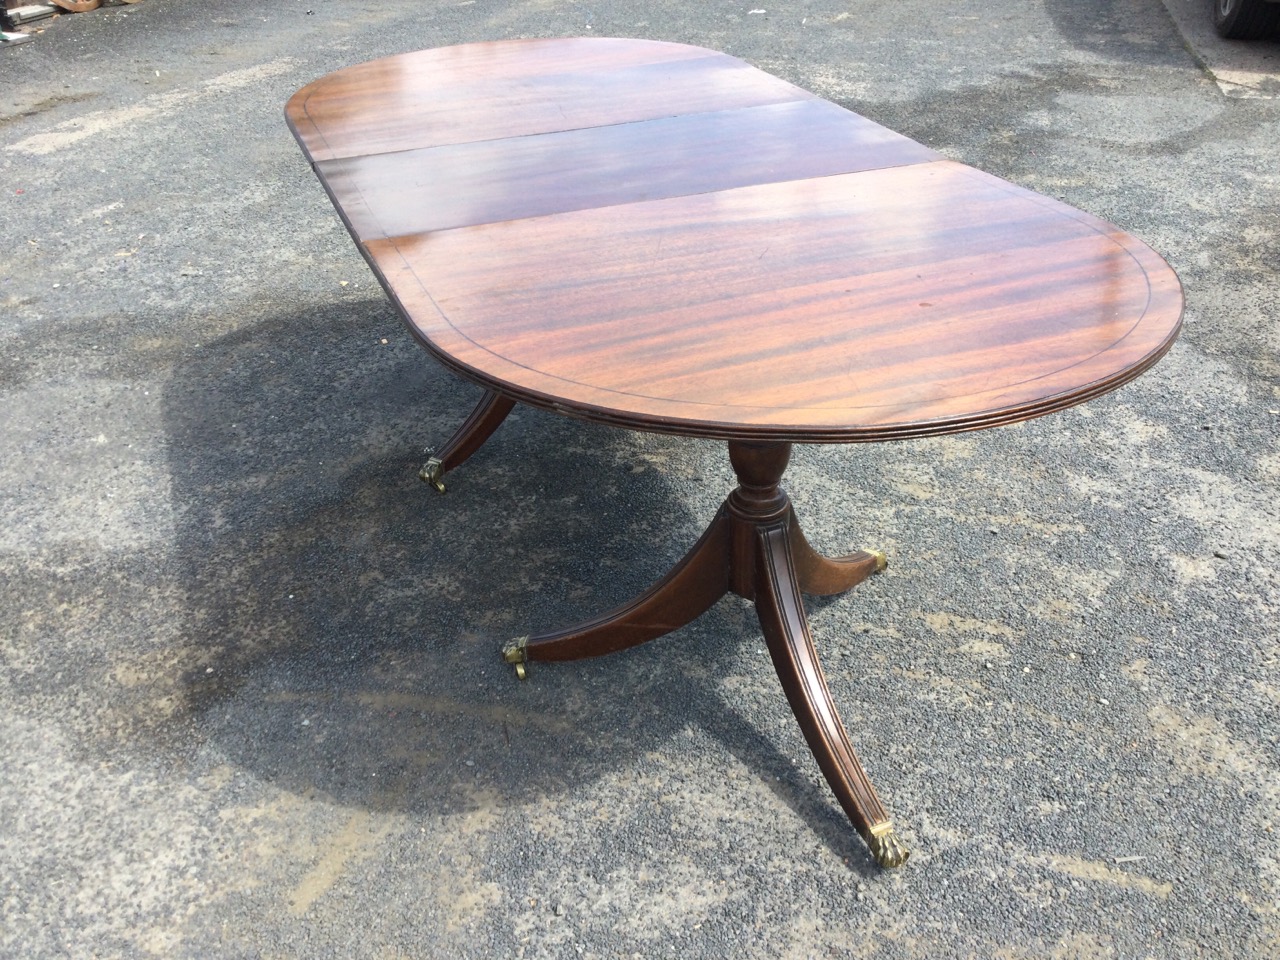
(661, 237)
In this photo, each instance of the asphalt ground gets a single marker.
(250, 700)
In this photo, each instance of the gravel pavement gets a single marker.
(250, 701)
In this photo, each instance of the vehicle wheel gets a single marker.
(1246, 19)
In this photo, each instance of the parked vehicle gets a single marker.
(1247, 19)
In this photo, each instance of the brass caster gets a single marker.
(882, 561)
(514, 654)
(886, 846)
(432, 472)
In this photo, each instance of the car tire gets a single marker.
(1246, 19)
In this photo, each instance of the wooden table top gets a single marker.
(664, 237)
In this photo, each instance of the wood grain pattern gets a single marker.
(490, 91)
(740, 261)
(414, 191)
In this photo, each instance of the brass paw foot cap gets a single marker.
(514, 654)
(432, 472)
(886, 846)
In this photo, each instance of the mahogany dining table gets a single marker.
(662, 237)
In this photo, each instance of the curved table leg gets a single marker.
(688, 591)
(786, 630)
(821, 576)
(467, 439)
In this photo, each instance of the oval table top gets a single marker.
(663, 237)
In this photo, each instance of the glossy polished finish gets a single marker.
(494, 180)
(664, 238)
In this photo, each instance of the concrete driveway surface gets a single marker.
(250, 701)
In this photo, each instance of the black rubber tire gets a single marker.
(1246, 19)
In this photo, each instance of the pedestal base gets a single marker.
(754, 548)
